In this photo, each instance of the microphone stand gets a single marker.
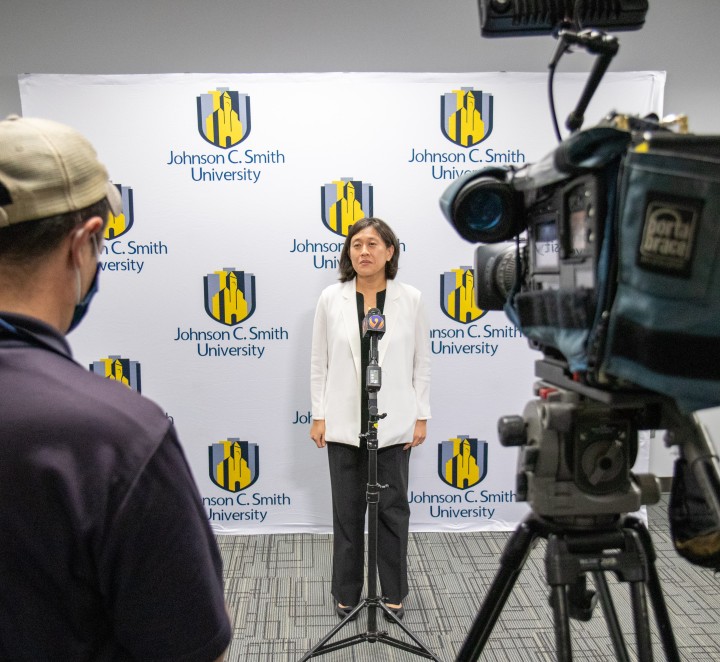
(374, 326)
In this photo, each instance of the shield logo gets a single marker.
(343, 202)
(119, 369)
(466, 116)
(234, 464)
(120, 224)
(457, 295)
(223, 117)
(462, 461)
(229, 295)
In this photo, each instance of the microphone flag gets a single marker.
(373, 322)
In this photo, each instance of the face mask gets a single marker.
(81, 307)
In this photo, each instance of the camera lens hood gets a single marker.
(484, 207)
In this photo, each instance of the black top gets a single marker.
(106, 552)
(365, 355)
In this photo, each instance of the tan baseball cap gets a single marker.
(47, 168)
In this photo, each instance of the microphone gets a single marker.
(373, 323)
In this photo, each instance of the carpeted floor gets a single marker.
(277, 589)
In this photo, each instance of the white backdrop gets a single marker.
(256, 208)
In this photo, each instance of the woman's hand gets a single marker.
(317, 432)
(419, 434)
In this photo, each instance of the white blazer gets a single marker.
(403, 355)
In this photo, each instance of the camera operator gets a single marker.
(106, 551)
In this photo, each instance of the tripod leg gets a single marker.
(662, 616)
(561, 611)
(642, 621)
(512, 560)
(611, 617)
(372, 565)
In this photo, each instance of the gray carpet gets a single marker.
(278, 591)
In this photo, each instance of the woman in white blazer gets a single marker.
(368, 265)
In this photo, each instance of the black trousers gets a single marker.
(349, 479)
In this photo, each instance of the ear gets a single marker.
(93, 224)
(80, 237)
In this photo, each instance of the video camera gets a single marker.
(613, 219)
(605, 255)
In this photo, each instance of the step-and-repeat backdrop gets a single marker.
(238, 191)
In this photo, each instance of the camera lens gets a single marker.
(484, 212)
(483, 207)
(495, 274)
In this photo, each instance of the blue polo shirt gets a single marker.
(105, 548)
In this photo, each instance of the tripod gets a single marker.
(574, 469)
(623, 548)
(374, 326)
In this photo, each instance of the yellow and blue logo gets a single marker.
(120, 224)
(466, 116)
(223, 117)
(462, 461)
(229, 295)
(457, 295)
(234, 464)
(119, 369)
(343, 202)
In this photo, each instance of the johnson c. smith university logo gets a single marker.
(462, 461)
(223, 117)
(343, 202)
(466, 116)
(229, 295)
(118, 369)
(120, 224)
(457, 295)
(234, 464)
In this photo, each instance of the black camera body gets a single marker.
(564, 229)
(563, 223)
(604, 254)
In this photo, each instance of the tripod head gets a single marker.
(578, 446)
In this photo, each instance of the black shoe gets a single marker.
(399, 612)
(342, 612)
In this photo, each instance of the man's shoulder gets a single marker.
(121, 406)
(73, 396)
(110, 388)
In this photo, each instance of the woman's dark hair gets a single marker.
(347, 272)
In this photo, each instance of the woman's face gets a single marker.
(369, 253)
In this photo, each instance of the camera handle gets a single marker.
(597, 43)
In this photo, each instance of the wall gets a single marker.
(147, 36)
(150, 36)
